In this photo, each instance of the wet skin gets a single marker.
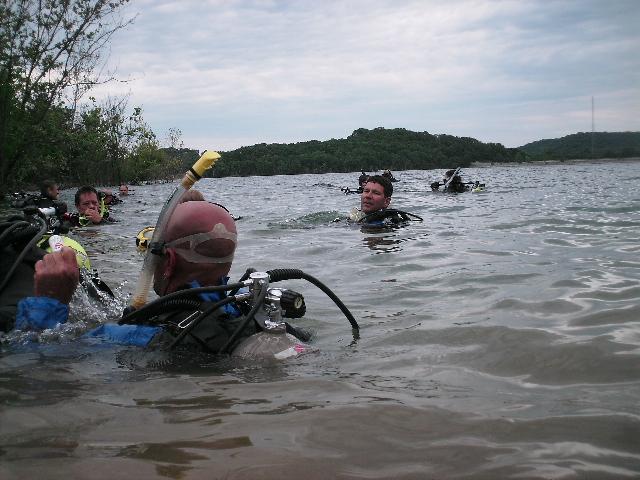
(372, 198)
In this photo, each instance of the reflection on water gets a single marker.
(499, 339)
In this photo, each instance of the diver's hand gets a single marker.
(93, 215)
(57, 275)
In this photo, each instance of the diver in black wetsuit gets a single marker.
(374, 205)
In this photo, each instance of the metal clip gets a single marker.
(187, 321)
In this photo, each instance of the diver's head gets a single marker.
(106, 196)
(123, 189)
(49, 189)
(200, 240)
(86, 199)
(376, 194)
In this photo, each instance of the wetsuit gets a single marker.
(163, 326)
(384, 217)
(456, 185)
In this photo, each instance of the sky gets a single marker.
(236, 73)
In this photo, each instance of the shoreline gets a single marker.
(555, 162)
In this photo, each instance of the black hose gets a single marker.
(25, 250)
(197, 320)
(280, 274)
(157, 308)
(252, 313)
(244, 277)
(11, 227)
(179, 294)
(388, 213)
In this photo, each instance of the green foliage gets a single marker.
(184, 157)
(585, 145)
(49, 58)
(370, 150)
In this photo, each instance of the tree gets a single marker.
(50, 56)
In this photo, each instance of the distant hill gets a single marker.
(369, 150)
(579, 146)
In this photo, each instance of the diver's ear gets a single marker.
(387, 201)
(169, 267)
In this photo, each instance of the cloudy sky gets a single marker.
(233, 73)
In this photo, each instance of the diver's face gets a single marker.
(52, 192)
(124, 190)
(88, 201)
(372, 198)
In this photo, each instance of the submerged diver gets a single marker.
(90, 209)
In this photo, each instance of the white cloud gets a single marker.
(258, 71)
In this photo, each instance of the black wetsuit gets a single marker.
(20, 285)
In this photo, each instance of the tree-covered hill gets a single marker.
(377, 149)
(579, 146)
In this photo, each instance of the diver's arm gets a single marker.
(56, 278)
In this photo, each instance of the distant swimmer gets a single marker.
(452, 182)
(389, 176)
(107, 198)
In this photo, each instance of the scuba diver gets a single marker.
(91, 209)
(25, 243)
(107, 198)
(193, 311)
(389, 176)
(48, 198)
(362, 179)
(374, 203)
(454, 184)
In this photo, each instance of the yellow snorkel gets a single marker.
(152, 256)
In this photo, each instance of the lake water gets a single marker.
(499, 338)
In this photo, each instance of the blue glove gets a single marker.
(138, 335)
(40, 313)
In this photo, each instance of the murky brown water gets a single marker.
(499, 339)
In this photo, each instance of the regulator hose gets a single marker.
(244, 276)
(10, 227)
(129, 315)
(23, 253)
(280, 274)
(152, 310)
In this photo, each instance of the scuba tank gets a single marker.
(273, 341)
